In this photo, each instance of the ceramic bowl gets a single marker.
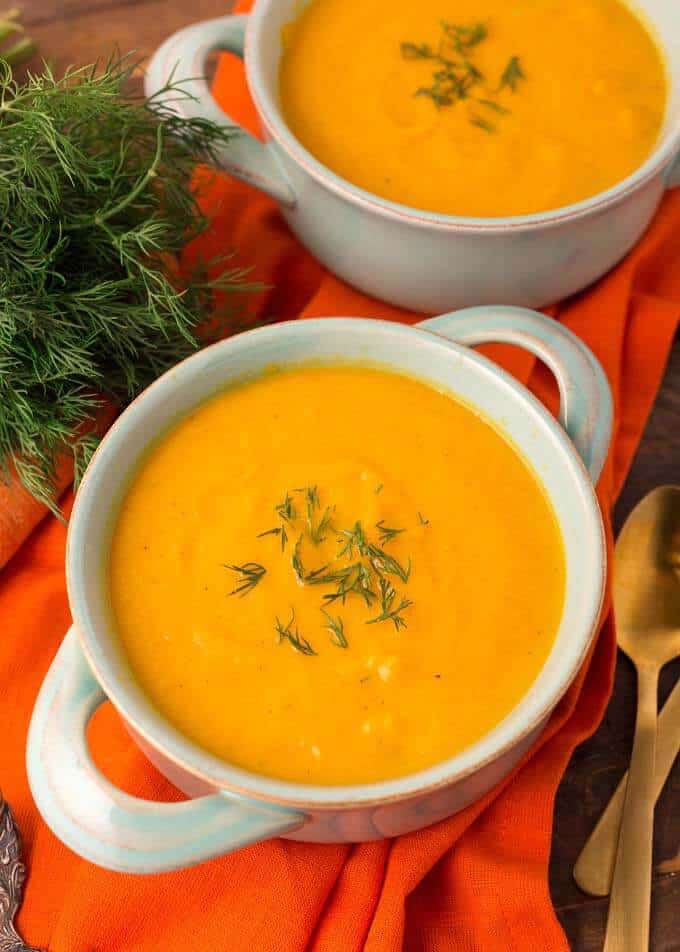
(417, 259)
(232, 807)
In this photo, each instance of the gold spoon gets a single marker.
(595, 866)
(647, 611)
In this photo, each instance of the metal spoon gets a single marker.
(647, 611)
(12, 875)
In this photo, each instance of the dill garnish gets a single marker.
(386, 534)
(490, 104)
(482, 123)
(251, 573)
(422, 520)
(297, 561)
(277, 530)
(387, 596)
(353, 537)
(456, 77)
(286, 510)
(512, 74)
(382, 562)
(337, 630)
(293, 636)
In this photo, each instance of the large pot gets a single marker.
(417, 259)
(235, 807)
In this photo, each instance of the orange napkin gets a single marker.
(477, 881)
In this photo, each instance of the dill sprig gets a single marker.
(422, 520)
(293, 636)
(96, 206)
(316, 533)
(251, 573)
(337, 629)
(386, 534)
(286, 509)
(512, 74)
(387, 596)
(296, 561)
(354, 579)
(456, 77)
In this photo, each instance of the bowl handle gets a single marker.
(586, 411)
(182, 59)
(105, 825)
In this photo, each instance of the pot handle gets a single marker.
(586, 411)
(182, 59)
(100, 822)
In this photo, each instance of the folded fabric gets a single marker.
(477, 881)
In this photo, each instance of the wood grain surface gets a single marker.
(80, 31)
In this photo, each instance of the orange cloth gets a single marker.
(477, 881)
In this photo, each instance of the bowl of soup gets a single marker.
(334, 575)
(440, 155)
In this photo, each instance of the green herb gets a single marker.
(482, 123)
(250, 573)
(463, 38)
(293, 636)
(96, 205)
(279, 531)
(286, 510)
(317, 534)
(387, 596)
(490, 104)
(386, 534)
(382, 562)
(455, 75)
(353, 537)
(422, 520)
(337, 630)
(354, 579)
(512, 74)
(297, 561)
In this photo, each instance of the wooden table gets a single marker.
(79, 31)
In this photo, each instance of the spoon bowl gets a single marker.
(647, 579)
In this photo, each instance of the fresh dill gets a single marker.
(483, 124)
(250, 573)
(382, 562)
(279, 531)
(286, 509)
(351, 538)
(337, 630)
(422, 520)
(490, 104)
(96, 206)
(386, 534)
(296, 561)
(293, 636)
(455, 76)
(387, 596)
(512, 74)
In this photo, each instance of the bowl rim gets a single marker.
(666, 152)
(216, 773)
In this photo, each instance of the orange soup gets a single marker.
(474, 107)
(335, 575)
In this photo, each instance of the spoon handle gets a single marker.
(595, 866)
(628, 919)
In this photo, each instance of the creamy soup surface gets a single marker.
(474, 107)
(410, 603)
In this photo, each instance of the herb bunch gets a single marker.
(95, 207)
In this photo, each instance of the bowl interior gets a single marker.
(416, 352)
(264, 53)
